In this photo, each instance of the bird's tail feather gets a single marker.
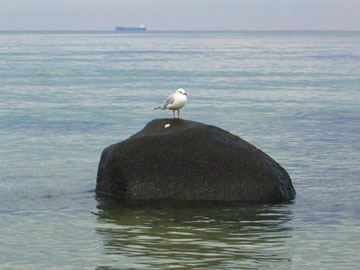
(156, 108)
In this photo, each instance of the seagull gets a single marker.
(175, 102)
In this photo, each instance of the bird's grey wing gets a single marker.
(168, 101)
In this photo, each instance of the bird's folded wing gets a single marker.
(170, 100)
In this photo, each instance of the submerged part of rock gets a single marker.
(191, 161)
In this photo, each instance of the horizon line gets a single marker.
(184, 30)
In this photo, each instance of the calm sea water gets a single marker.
(64, 97)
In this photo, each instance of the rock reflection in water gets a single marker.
(188, 235)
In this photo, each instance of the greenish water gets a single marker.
(65, 96)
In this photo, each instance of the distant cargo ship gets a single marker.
(141, 27)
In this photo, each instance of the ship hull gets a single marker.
(130, 29)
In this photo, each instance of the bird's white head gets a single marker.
(181, 91)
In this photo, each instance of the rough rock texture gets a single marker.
(191, 161)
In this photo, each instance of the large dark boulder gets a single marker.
(191, 161)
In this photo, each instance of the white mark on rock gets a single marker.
(167, 125)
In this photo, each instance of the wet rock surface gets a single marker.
(187, 160)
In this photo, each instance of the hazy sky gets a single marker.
(180, 14)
